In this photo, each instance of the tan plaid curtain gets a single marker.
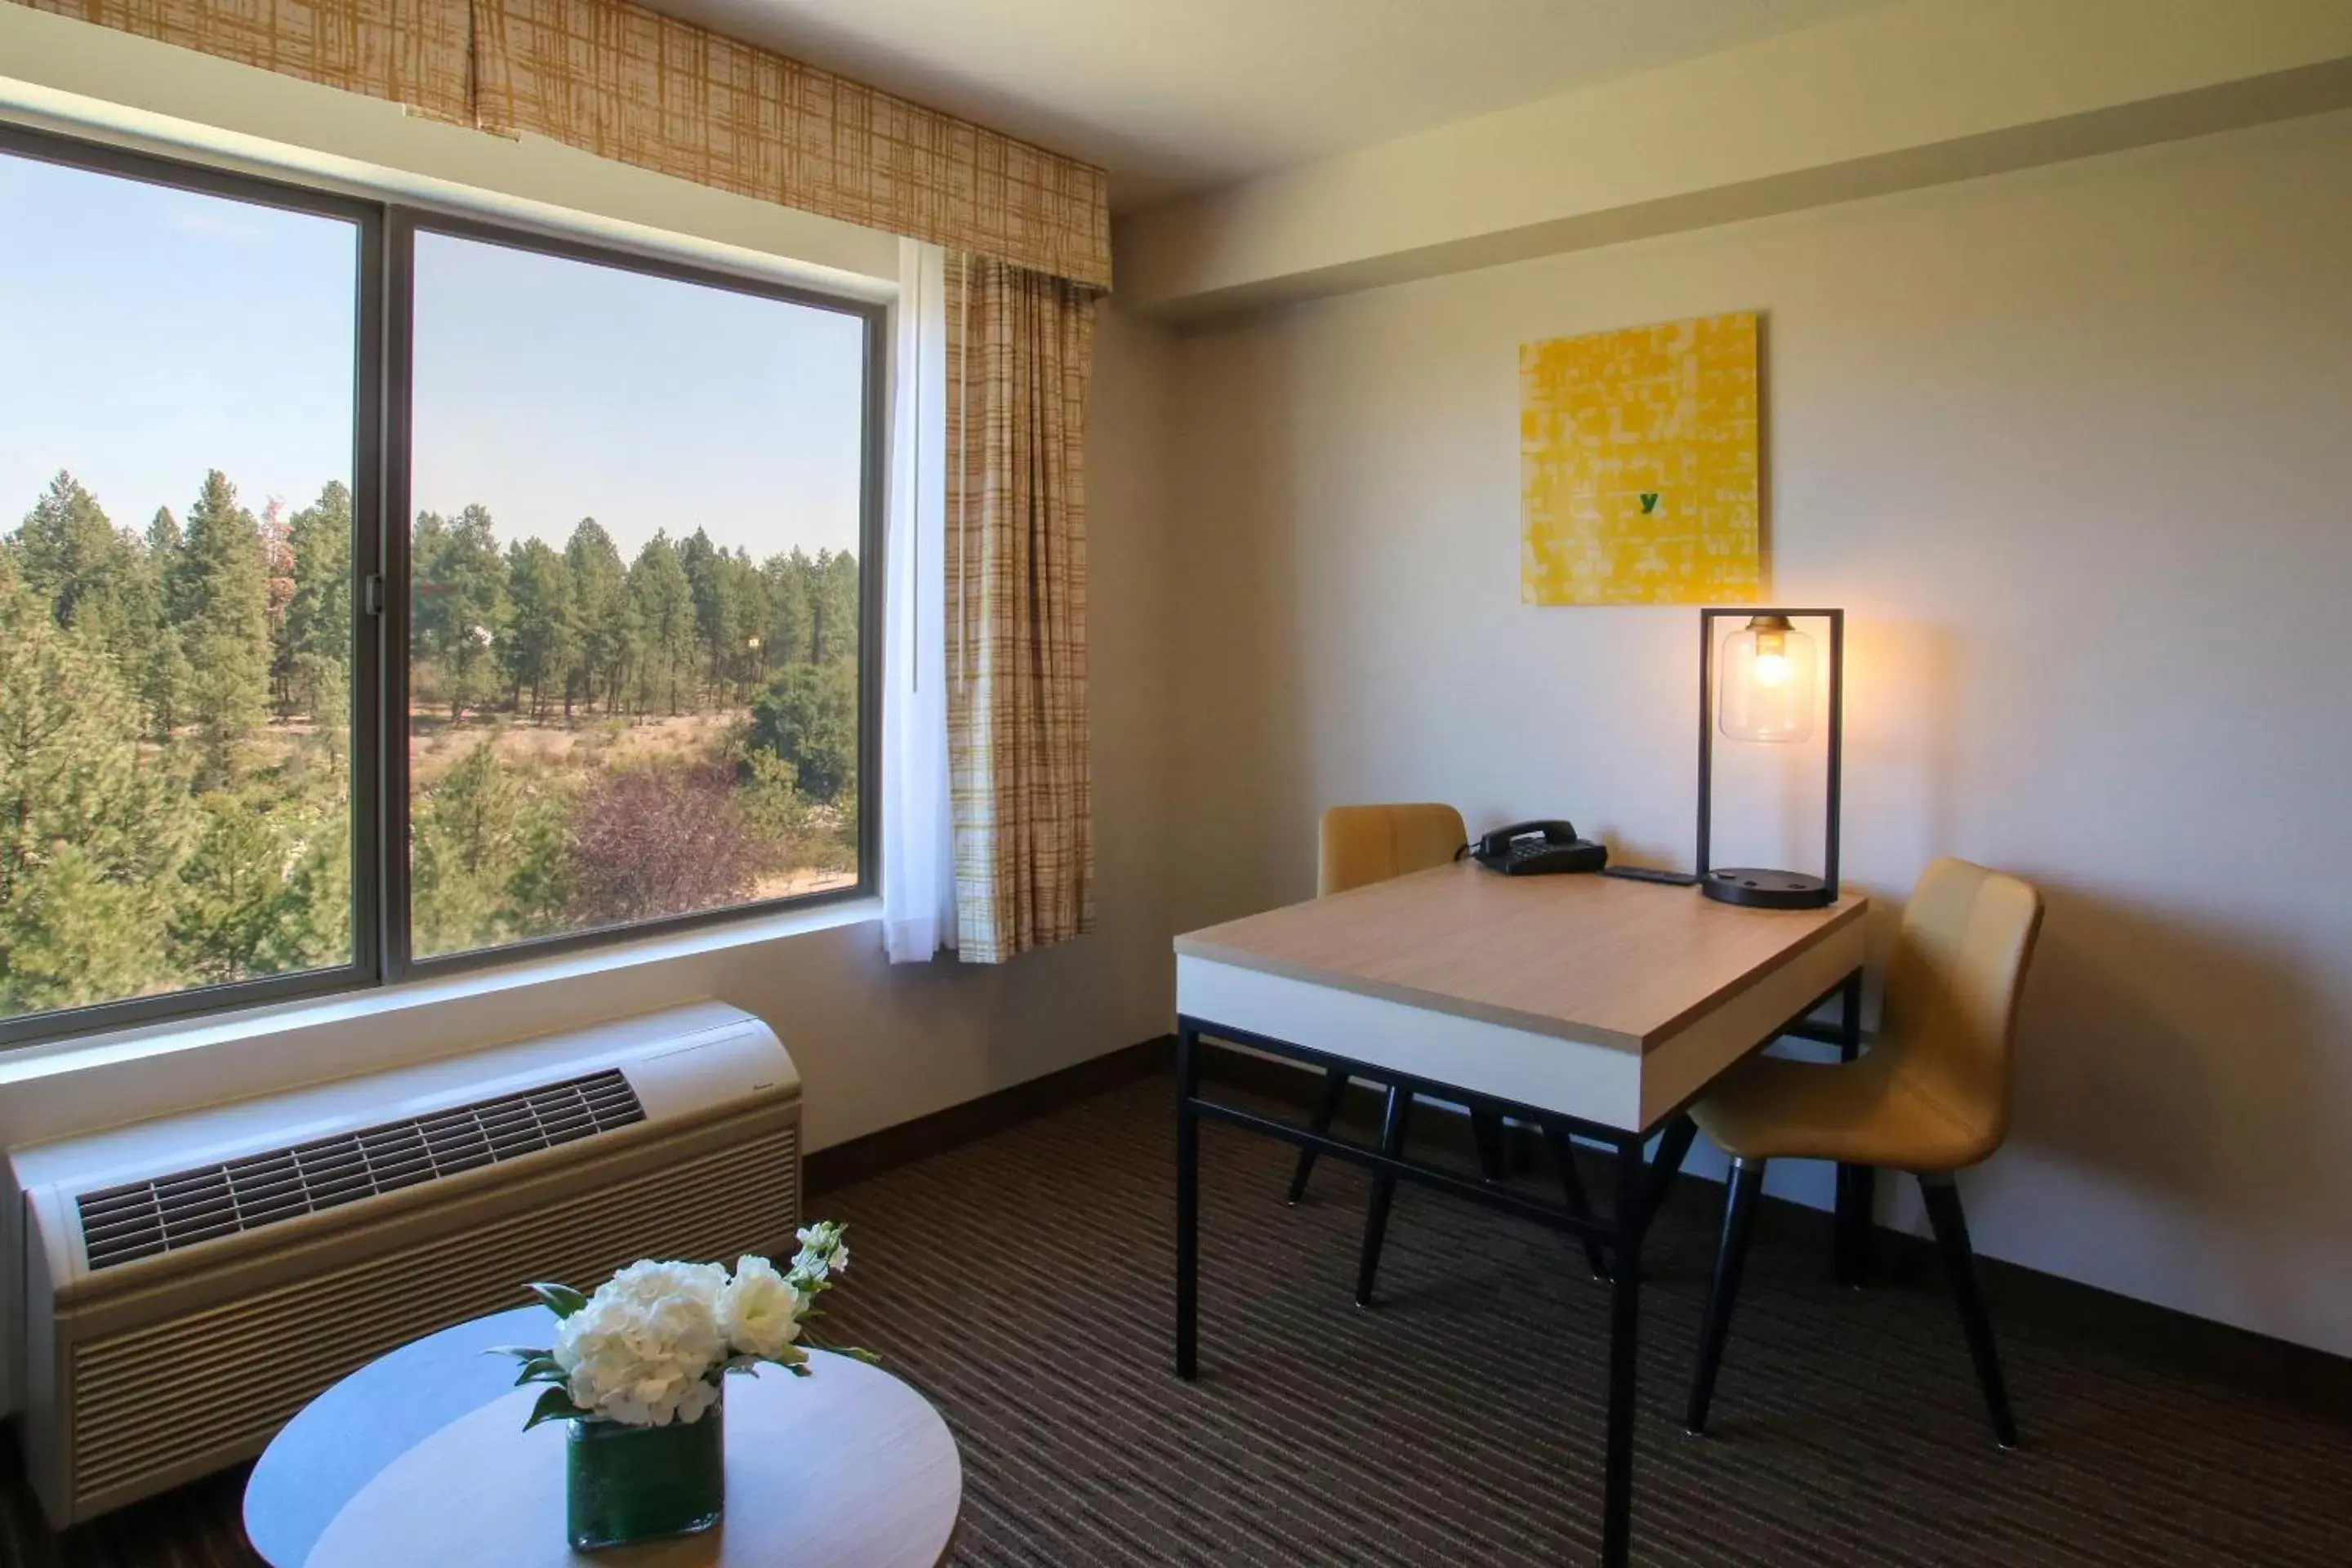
(624, 82)
(1020, 349)
(412, 52)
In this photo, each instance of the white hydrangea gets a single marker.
(648, 1282)
(759, 1310)
(651, 1346)
(646, 1348)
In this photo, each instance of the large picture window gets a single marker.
(635, 506)
(381, 592)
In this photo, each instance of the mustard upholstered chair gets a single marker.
(1361, 845)
(1930, 1097)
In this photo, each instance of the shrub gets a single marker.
(666, 839)
(808, 716)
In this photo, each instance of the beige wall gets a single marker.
(1886, 98)
(2071, 446)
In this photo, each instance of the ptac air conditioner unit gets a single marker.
(190, 1283)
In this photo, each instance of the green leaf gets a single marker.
(562, 1299)
(555, 1405)
(868, 1357)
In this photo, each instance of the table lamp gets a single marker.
(1762, 693)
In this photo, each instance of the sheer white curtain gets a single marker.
(919, 914)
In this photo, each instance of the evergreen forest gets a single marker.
(592, 740)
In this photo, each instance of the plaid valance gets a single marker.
(624, 82)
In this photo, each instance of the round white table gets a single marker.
(419, 1459)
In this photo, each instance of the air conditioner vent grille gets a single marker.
(139, 1219)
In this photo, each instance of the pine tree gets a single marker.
(460, 593)
(167, 558)
(789, 614)
(543, 636)
(317, 635)
(164, 680)
(834, 596)
(163, 674)
(278, 572)
(607, 620)
(666, 619)
(808, 717)
(700, 560)
(742, 600)
(467, 831)
(317, 928)
(236, 912)
(93, 575)
(90, 837)
(223, 621)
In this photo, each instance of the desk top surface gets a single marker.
(1622, 963)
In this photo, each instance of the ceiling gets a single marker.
(1175, 96)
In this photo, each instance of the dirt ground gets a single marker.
(435, 746)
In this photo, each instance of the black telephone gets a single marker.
(1532, 848)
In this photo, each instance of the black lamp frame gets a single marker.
(1766, 889)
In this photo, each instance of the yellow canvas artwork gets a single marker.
(1638, 466)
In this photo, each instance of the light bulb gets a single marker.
(1767, 690)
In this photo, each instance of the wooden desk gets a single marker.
(1605, 1004)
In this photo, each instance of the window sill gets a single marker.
(91, 1052)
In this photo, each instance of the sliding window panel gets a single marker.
(640, 515)
(187, 458)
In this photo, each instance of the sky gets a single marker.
(148, 334)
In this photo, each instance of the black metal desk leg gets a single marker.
(1188, 1204)
(1393, 1122)
(1624, 1324)
(1856, 1185)
(1563, 1154)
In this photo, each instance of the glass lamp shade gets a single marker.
(1766, 689)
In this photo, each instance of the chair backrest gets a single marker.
(1367, 844)
(1950, 1011)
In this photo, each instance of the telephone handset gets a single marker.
(1533, 849)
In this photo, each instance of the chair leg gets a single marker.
(1327, 1110)
(1563, 1154)
(1747, 1181)
(1943, 1200)
(1376, 1218)
(1487, 1127)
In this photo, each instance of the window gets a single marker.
(634, 612)
(381, 592)
(179, 367)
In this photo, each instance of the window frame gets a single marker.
(365, 967)
(402, 963)
(383, 360)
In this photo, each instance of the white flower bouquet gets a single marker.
(650, 1347)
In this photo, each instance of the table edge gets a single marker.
(1849, 910)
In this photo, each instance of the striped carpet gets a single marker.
(1024, 1283)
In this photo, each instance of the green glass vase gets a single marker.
(641, 1483)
